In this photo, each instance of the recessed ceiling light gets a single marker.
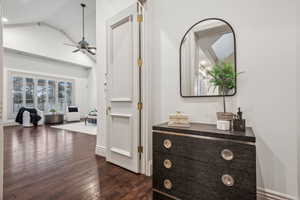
(4, 19)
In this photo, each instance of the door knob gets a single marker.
(228, 180)
(227, 154)
(168, 184)
(167, 143)
(168, 164)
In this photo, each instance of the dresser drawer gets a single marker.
(168, 165)
(213, 189)
(202, 174)
(180, 188)
(219, 152)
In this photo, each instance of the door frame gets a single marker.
(146, 159)
(146, 136)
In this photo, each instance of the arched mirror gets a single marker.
(207, 45)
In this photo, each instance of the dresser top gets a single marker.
(209, 130)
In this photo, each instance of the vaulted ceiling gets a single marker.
(63, 14)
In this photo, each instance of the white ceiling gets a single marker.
(64, 14)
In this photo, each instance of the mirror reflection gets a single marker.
(208, 44)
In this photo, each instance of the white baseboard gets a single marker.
(100, 151)
(265, 194)
(9, 123)
(149, 168)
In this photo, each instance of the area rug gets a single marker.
(79, 127)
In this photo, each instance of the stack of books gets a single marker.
(179, 120)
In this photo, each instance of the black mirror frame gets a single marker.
(235, 58)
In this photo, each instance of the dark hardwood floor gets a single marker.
(49, 164)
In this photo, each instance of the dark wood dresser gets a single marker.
(203, 163)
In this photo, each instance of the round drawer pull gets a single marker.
(167, 143)
(227, 154)
(228, 180)
(168, 184)
(168, 163)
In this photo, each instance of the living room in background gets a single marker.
(42, 72)
(38, 91)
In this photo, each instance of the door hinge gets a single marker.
(140, 62)
(140, 106)
(140, 18)
(140, 149)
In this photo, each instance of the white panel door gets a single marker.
(122, 90)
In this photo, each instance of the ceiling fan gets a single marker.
(83, 44)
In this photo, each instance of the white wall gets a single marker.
(35, 64)
(1, 95)
(84, 84)
(266, 37)
(266, 91)
(92, 89)
(43, 41)
(298, 95)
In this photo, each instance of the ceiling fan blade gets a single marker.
(75, 51)
(71, 45)
(92, 48)
(91, 52)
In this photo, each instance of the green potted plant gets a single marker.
(52, 111)
(223, 77)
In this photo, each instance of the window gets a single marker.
(29, 89)
(17, 93)
(69, 93)
(43, 93)
(61, 95)
(51, 94)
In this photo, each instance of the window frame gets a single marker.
(36, 77)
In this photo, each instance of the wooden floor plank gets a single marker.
(49, 164)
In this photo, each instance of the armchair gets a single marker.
(26, 118)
